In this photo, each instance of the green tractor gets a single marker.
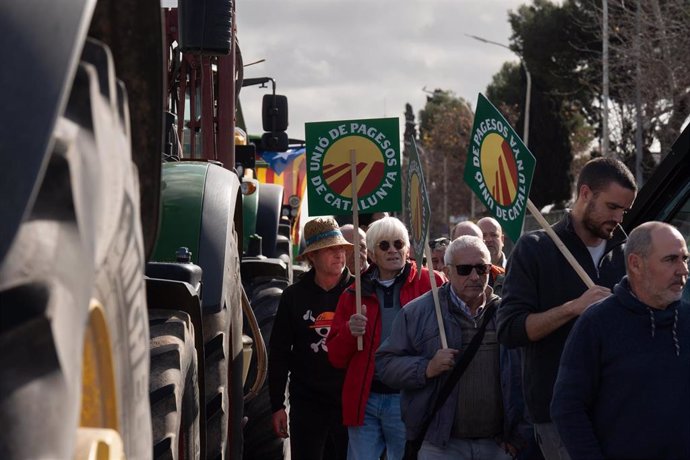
(125, 325)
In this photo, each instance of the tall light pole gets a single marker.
(528, 92)
(605, 79)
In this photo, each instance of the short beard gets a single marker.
(663, 297)
(592, 227)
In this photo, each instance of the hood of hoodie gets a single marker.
(667, 318)
(662, 318)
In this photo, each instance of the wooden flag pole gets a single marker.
(434, 293)
(355, 224)
(559, 244)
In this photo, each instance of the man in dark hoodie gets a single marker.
(543, 295)
(623, 387)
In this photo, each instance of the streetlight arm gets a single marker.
(528, 91)
(484, 40)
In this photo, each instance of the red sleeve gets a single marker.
(340, 342)
(419, 286)
(440, 278)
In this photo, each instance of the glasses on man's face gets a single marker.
(439, 243)
(481, 269)
(386, 245)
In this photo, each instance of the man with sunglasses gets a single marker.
(438, 252)
(481, 417)
(497, 274)
(543, 295)
(371, 409)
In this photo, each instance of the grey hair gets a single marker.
(388, 228)
(466, 241)
(640, 239)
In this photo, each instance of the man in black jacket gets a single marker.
(298, 347)
(543, 295)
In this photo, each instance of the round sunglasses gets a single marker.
(464, 269)
(386, 245)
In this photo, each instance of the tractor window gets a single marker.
(681, 219)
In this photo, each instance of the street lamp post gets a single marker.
(528, 92)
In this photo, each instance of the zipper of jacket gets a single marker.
(366, 371)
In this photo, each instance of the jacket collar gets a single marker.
(370, 276)
(629, 300)
(345, 280)
(446, 295)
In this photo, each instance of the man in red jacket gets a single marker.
(371, 410)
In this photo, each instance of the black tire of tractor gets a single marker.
(222, 315)
(260, 443)
(268, 217)
(174, 390)
(58, 262)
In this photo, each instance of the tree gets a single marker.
(558, 96)
(445, 123)
(410, 133)
(410, 124)
(649, 78)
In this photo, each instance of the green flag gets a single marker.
(499, 168)
(376, 143)
(419, 213)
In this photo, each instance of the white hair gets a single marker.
(466, 241)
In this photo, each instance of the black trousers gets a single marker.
(316, 432)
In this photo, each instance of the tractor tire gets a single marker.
(260, 442)
(268, 217)
(219, 253)
(74, 329)
(174, 391)
(207, 226)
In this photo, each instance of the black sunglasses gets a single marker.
(439, 243)
(385, 245)
(464, 270)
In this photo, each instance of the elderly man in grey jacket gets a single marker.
(483, 414)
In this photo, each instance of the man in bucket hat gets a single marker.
(298, 346)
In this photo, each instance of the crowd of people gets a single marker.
(513, 357)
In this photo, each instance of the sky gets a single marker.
(343, 60)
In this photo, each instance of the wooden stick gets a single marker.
(434, 293)
(559, 244)
(355, 224)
